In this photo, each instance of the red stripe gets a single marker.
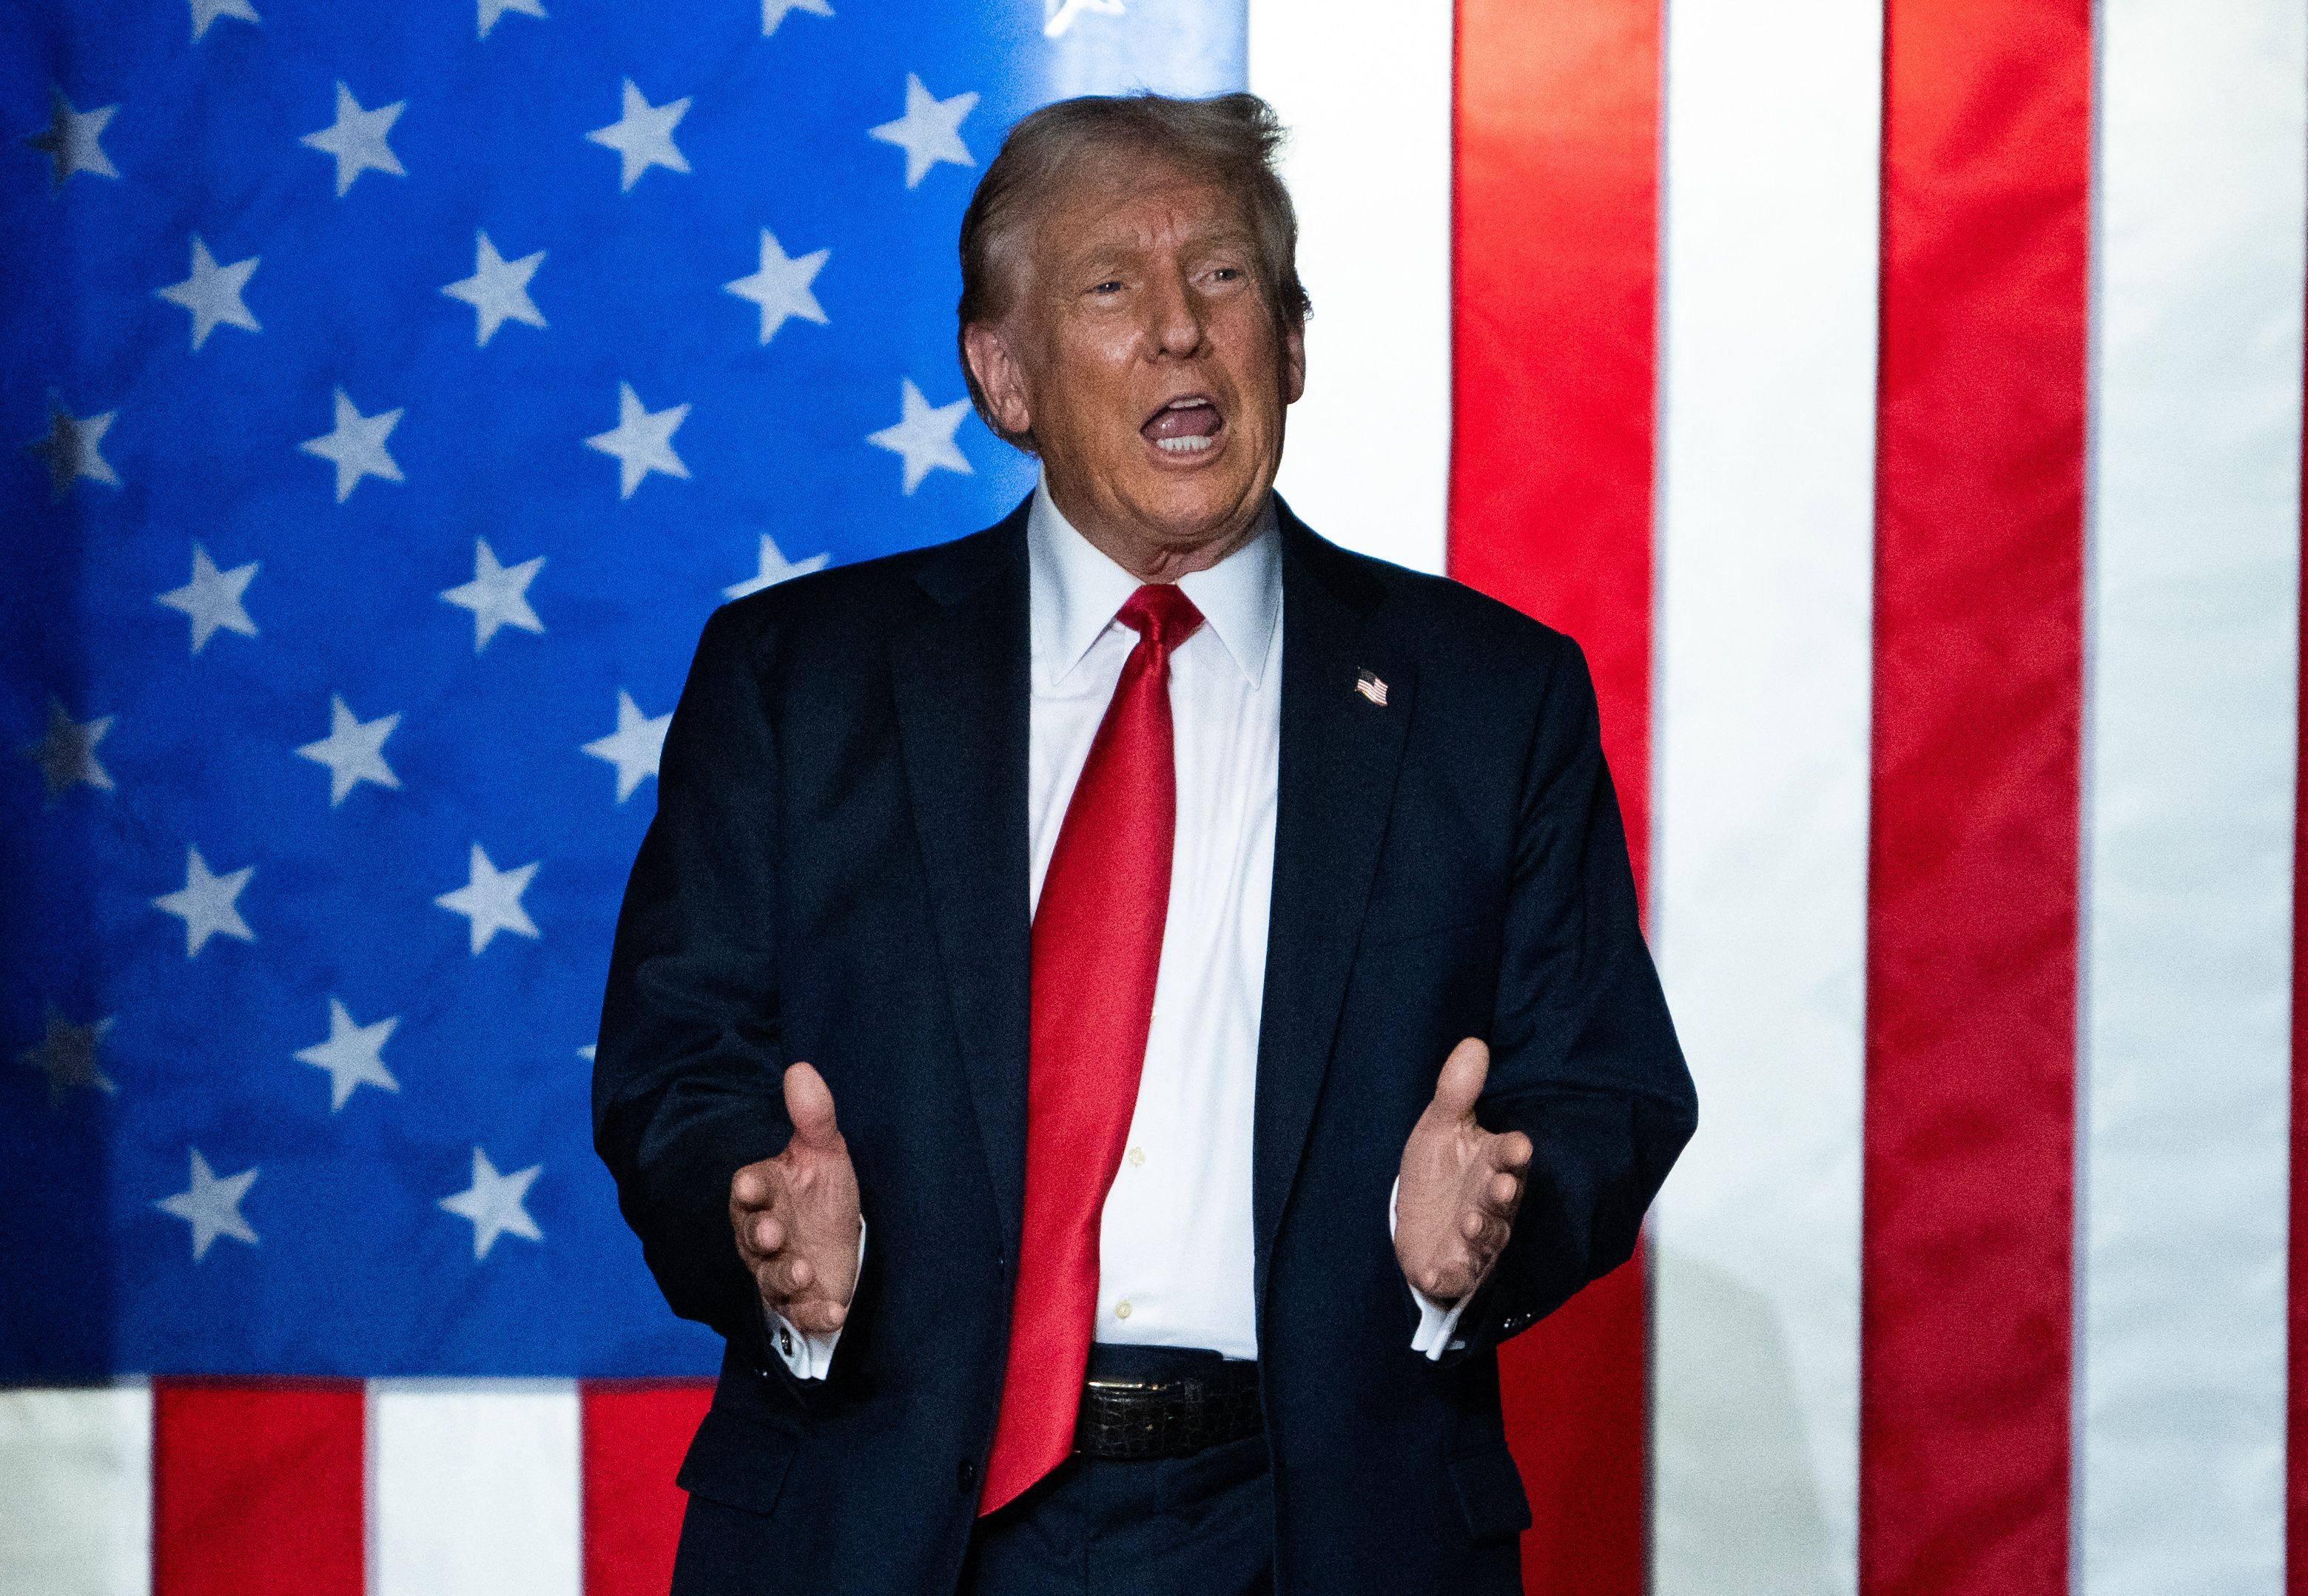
(2295, 1493)
(257, 1487)
(1971, 957)
(1554, 290)
(634, 1435)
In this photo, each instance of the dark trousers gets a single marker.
(1201, 1525)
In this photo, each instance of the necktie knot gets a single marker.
(1160, 614)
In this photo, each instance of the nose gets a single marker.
(1174, 318)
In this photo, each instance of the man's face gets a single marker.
(1143, 355)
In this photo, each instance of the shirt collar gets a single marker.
(1076, 591)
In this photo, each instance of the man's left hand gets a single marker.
(1460, 1183)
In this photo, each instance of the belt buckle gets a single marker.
(1128, 1418)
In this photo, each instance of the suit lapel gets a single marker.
(1340, 754)
(959, 673)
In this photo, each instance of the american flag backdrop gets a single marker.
(1901, 402)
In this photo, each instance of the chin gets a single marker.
(1190, 514)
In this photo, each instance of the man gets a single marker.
(1166, 903)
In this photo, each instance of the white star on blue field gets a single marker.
(388, 395)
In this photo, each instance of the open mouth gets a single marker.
(1186, 426)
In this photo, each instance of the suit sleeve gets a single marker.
(1584, 1057)
(687, 1073)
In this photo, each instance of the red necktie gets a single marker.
(1096, 944)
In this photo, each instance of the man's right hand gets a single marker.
(796, 1215)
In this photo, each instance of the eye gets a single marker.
(1227, 273)
(1112, 285)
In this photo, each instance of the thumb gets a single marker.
(1461, 1080)
(809, 1104)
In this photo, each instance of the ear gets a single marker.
(1000, 377)
(1294, 365)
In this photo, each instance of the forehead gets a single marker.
(1111, 203)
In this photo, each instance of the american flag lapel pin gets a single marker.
(1367, 684)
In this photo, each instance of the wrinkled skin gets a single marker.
(1139, 290)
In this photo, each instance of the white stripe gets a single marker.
(1364, 88)
(473, 1489)
(2186, 1046)
(76, 1491)
(1763, 636)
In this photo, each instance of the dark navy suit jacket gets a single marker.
(837, 871)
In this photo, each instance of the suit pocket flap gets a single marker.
(739, 1462)
(1490, 1491)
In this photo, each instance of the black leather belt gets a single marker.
(1144, 1402)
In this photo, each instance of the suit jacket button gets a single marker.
(966, 1475)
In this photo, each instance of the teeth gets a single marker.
(1184, 445)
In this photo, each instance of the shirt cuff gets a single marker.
(1438, 1326)
(809, 1357)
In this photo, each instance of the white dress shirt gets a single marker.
(1175, 1237)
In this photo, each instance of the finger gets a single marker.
(809, 1104)
(1492, 1241)
(768, 1235)
(1443, 1281)
(776, 1277)
(815, 1316)
(1461, 1080)
(1510, 1151)
(1501, 1194)
(1485, 1234)
(751, 1188)
(1446, 1282)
